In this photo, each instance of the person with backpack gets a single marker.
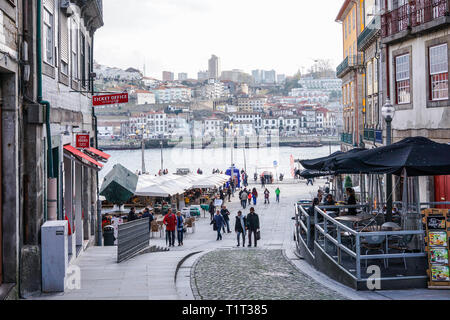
(240, 227)
(218, 223)
(180, 228)
(252, 226)
(266, 196)
(170, 221)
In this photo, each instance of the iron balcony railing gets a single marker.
(412, 15)
(349, 63)
(347, 138)
(369, 32)
(373, 135)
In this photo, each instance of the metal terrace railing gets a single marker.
(349, 248)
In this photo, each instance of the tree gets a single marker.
(348, 182)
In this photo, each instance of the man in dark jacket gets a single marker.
(252, 225)
(239, 227)
(149, 215)
(226, 217)
(219, 222)
(132, 214)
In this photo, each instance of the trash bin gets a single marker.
(108, 236)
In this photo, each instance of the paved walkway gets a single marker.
(152, 275)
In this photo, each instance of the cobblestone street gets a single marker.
(254, 274)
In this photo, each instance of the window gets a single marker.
(438, 72)
(369, 78)
(48, 34)
(402, 81)
(83, 60)
(74, 50)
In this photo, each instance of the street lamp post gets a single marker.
(388, 112)
(161, 145)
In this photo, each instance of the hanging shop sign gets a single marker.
(437, 223)
(82, 141)
(109, 99)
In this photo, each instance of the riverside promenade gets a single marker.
(270, 271)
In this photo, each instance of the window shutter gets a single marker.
(50, 5)
(64, 38)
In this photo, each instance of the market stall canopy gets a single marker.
(81, 157)
(307, 173)
(158, 186)
(210, 181)
(119, 185)
(418, 156)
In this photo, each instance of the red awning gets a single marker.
(98, 153)
(82, 155)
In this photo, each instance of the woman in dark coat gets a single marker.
(351, 200)
(219, 223)
(212, 209)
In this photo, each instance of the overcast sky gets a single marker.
(181, 35)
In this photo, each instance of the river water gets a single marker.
(214, 158)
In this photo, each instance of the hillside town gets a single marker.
(219, 104)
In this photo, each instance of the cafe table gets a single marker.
(205, 208)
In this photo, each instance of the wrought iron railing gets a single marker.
(369, 32)
(347, 138)
(348, 63)
(412, 15)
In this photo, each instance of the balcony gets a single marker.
(350, 63)
(347, 138)
(373, 135)
(370, 32)
(414, 19)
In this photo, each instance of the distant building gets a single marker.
(281, 78)
(150, 82)
(236, 75)
(214, 67)
(168, 76)
(182, 76)
(144, 97)
(202, 75)
(263, 76)
(170, 94)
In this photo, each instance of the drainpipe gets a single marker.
(94, 117)
(51, 194)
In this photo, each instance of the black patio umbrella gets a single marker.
(307, 173)
(316, 164)
(419, 156)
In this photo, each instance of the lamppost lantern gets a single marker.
(388, 111)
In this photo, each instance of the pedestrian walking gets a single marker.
(180, 228)
(277, 194)
(239, 228)
(170, 221)
(254, 196)
(252, 226)
(263, 181)
(218, 223)
(266, 196)
(211, 209)
(229, 193)
(310, 180)
(226, 217)
(233, 187)
(249, 197)
(243, 196)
